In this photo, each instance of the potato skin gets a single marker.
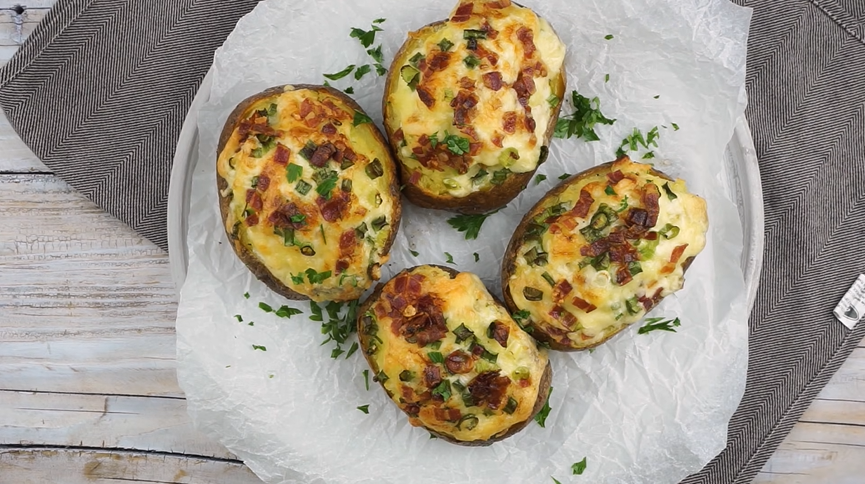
(255, 265)
(509, 260)
(543, 386)
(481, 201)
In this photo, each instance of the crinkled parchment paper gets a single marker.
(642, 408)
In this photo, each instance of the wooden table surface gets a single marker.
(87, 347)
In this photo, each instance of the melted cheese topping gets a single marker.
(522, 44)
(464, 301)
(282, 222)
(602, 300)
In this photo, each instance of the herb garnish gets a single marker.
(246, 295)
(326, 185)
(635, 140)
(360, 118)
(376, 54)
(470, 224)
(541, 417)
(339, 328)
(436, 357)
(287, 312)
(366, 37)
(294, 172)
(606, 78)
(564, 176)
(457, 144)
(414, 252)
(443, 390)
(362, 71)
(449, 258)
(471, 61)
(339, 75)
(656, 324)
(265, 307)
(317, 277)
(366, 379)
(578, 468)
(555, 480)
(477, 257)
(364, 408)
(587, 113)
(675, 126)
(348, 90)
(539, 179)
(260, 348)
(609, 36)
(297, 279)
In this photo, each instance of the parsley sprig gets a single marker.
(657, 324)
(338, 327)
(635, 141)
(541, 417)
(587, 114)
(470, 224)
(579, 467)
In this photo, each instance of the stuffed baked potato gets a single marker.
(471, 104)
(451, 357)
(599, 251)
(308, 192)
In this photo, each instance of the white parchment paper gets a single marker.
(642, 408)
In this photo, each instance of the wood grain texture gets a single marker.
(88, 391)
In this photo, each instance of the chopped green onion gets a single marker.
(374, 169)
(532, 294)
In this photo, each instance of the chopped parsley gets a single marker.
(239, 318)
(315, 309)
(449, 258)
(553, 100)
(354, 347)
(539, 179)
(658, 96)
(379, 20)
(564, 176)
(555, 480)
(360, 118)
(380, 69)
(339, 75)
(265, 307)
(470, 224)
(326, 185)
(443, 390)
(376, 54)
(606, 78)
(339, 328)
(287, 312)
(675, 126)
(366, 37)
(294, 172)
(587, 114)
(366, 379)
(260, 348)
(609, 37)
(297, 279)
(414, 252)
(657, 324)
(541, 417)
(348, 90)
(636, 140)
(477, 257)
(362, 71)
(579, 467)
(500, 176)
(364, 408)
(317, 277)
(457, 144)
(246, 295)
(609, 191)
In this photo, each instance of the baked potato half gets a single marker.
(471, 104)
(451, 357)
(599, 251)
(308, 192)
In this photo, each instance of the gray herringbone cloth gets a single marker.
(100, 89)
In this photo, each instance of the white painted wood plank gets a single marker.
(70, 466)
(153, 424)
(15, 27)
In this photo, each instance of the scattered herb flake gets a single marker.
(294, 172)
(609, 36)
(606, 78)
(366, 379)
(327, 185)
(541, 417)
(657, 324)
(315, 309)
(362, 71)
(658, 96)
(380, 69)
(470, 224)
(351, 350)
(339, 327)
(587, 114)
(348, 90)
(287, 312)
(579, 467)
(539, 179)
(379, 20)
(260, 348)
(297, 279)
(364, 408)
(555, 480)
(609, 191)
(675, 126)
(360, 118)
(366, 37)
(477, 257)
(445, 45)
(553, 100)
(265, 307)
(246, 295)
(239, 318)
(317, 277)
(449, 258)
(414, 252)
(376, 54)
(471, 61)
(564, 176)
(339, 75)
(457, 144)
(436, 357)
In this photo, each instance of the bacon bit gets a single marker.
(281, 217)
(412, 410)
(414, 178)
(646, 302)
(252, 220)
(489, 388)
(499, 4)
(399, 284)
(483, 53)
(564, 316)
(466, 83)
(475, 148)
(459, 362)
(623, 253)
(615, 177)
(561, 289)
(447, 414)
(425, 326)
(332, 210)
(322, 154)
(677, 253)
(623, 276)
(253, 199)
(651, 236)
(438, 62)
(280, 156)
(248, 127)
(463, 104)
(500, 333)
(263, 183)
(399, 303)
(530, 122)
(305, 108)
(348, 239)
(524, 86)
(596, 248)
(509, 122)
(418, 150)
(540, 70)
(637, 216)
(493, 80)
(463, 13)
(432, 376)
(414, 285)
(486, 27)
(497, 139)
(651, 194)
(527, 37)
(341, 266)
(398, 136)
(584, 305)
(328, 128)
(425, 97)
(581, 208)
(656, 298)
(423, 140)
(349, 155)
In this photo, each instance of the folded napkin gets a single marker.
(100, 90)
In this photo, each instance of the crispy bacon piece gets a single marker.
(425, 325)
(496, 140)
(467, 83)
(615, 177)
(459, 362)
(305, 108)
(499, 4)
(280, 156)
(332, 210)
(432, 376)
(437, 62)
(527, 38)
(414, 178)
(581, 208)
(322, 154)
(398, 136)
(489, 388)
(586, 306)
(263, 183)
(425, 97)
(561, 289)
(328, 128)
(500, 333)
(463, 104)
(447, 414)
(651, 194)
(623, 276)
(250, 127)
(253, 199)
(463, 12)
(509, 122)
(524, 86)
(623, 253)
(493, 80)
(281, 217)
(423, 140)
(489, 55)
(348, 240)
(563, 316)
(530, 122)
(677, 253)
(252, 220)
(486, 27)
